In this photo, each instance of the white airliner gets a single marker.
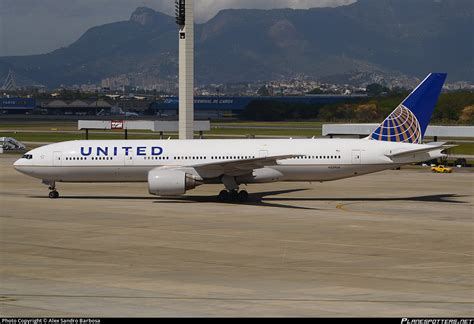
(173, 167)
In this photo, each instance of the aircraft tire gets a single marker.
(223, 195)
(243, 196)
(54, 195)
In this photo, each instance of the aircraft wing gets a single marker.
(242, 166)
(425, 149)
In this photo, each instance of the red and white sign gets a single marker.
(116, 124)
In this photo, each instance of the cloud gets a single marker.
(39, 26)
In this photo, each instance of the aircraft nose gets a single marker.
(17, 164)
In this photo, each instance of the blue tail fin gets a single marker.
(409, 121)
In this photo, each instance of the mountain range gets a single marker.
(393, 37)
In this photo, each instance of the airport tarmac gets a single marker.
(396, 243)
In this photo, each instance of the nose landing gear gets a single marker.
(53, 194)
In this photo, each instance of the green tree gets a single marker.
(376, 89)
(316, 91)
(263, 91)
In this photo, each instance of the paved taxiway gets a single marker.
(397, 243)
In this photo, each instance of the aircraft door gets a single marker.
(263, 154)
(356, 157)
(57, 158)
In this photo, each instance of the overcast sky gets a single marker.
(40, 26)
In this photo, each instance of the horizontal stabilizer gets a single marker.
(425, 149)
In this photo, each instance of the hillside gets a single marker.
(411, 37)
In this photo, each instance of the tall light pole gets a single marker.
(185, 20)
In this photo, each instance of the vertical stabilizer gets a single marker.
(409, 121)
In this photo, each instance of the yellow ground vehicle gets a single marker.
(441, 169)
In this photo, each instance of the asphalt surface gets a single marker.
(396, 243)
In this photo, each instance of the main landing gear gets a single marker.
(233, 196)
(232, 193)
(53, 194)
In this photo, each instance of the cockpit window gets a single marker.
(27, 156)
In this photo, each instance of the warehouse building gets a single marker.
(75, 107)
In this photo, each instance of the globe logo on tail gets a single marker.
(401, 126)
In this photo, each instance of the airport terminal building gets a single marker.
(206, 107)
(232, 106)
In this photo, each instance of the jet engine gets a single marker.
(171, 182)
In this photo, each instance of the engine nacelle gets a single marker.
(171, 182)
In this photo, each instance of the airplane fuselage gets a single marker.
(174, 167)
(132, 160)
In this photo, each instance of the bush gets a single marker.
(467, 115)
